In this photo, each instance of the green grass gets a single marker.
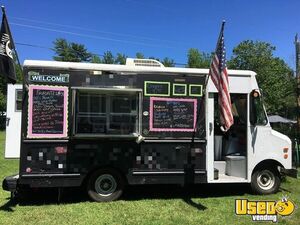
(201, 204)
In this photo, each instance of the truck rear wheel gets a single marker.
(105, 185)
(265, 181)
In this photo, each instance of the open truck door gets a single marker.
(13, 121)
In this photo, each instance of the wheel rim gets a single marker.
(105, 185)
(266, 180)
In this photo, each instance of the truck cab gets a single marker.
(251, 151)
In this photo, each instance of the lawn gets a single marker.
(201, 204)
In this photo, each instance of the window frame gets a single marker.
(16, 99)
(109, 92)
(253, 109)
(196, 94)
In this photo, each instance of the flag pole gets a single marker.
(205, 86)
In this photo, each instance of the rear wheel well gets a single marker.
(105, 184)
(268, 163)
(88, 175)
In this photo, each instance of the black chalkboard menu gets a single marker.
(47, 117)
(157, 88)
(172, 115)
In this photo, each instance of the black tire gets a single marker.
(265, 180)
(105, 185)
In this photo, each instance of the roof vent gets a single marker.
(143, 62)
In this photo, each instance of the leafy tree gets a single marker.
(168, 62)
(139, 55)
(19, 74)
(274, 76)
(70, 52)
(96, 59)
(2, 102)
(108, 58)
(121, 59)
(197, 59)
(3, 85)
(61, 48)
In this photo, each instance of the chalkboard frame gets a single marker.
(151, 128)
(196, 85)
(157, 82)
(180, 94)
(30, 134)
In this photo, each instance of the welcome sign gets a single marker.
(48, 78)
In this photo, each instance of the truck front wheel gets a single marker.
(105, 185)
(265, 181)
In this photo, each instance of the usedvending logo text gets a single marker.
(264, 210)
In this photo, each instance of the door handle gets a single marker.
(7, 121)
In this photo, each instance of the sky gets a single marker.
(157, 28)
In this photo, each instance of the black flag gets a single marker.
(7, 66)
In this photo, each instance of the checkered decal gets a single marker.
(45, 159)
(169, 156)
(84, 157)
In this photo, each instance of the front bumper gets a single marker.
(290, 172)
(10, 183)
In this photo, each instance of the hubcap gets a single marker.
(105, 185)
(266, 180)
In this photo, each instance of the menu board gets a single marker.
(157, 88)
(47, 115)
(172, 115)
(179, 89)
(195, 90)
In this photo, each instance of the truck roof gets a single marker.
(125, 68)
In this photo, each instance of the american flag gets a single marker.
(219, 76)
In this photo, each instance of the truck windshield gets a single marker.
(257, 111)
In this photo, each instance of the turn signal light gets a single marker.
(285, 156)
(285, 150)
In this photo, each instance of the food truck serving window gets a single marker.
(106, 112)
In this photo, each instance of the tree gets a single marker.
(70, 52)
(96, 59)
(108, 58)
(121, 59)
(197, 59)
(168, 62)
(139, 55)
(2, 102)
(274, 76)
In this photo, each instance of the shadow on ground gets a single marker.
(132, 193)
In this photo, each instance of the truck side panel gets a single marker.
(163, 156)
